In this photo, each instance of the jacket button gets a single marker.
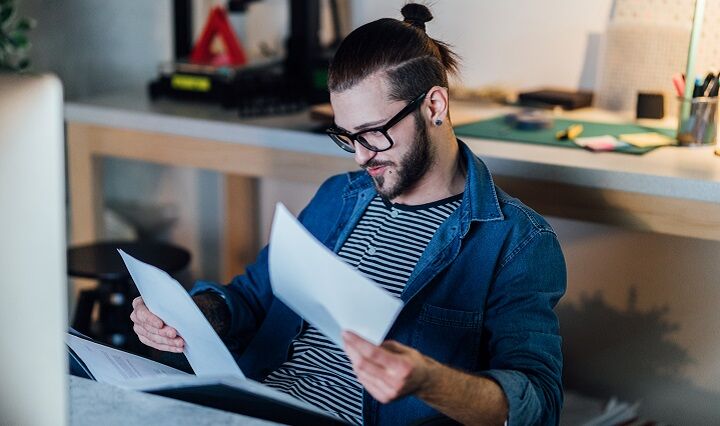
(371, 250)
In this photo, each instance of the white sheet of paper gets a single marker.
(112, 366)
(322, 288)
(173, 382)
(167, 299)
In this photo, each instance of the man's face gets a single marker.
(398, 169)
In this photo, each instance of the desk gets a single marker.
(93, 403)
(671, 190)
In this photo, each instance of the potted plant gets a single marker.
(14, 42)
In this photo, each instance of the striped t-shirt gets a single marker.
(385, 246)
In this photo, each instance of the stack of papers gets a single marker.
(599, 143)
(647, 140)
(586, 411)
(615, 413)
(114, 367)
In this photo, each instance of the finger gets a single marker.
(150, 329)
(360, 362)
(139, 330)
(356, 358)
(378, 389)
(144, 340)
(153, 336)
(357, 343)
(366, 349)
(165, 331)
(144, 315)
(137, 301)
(135, 318)
(367, 367)
(168, 331)
(395, 347)
(351, 351)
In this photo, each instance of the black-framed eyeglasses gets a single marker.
(377, 138)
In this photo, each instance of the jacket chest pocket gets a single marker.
(449, 336)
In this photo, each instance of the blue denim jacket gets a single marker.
(480, 299)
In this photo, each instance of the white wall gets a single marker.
(521, 43)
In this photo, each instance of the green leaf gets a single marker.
(19, 40)
(5, 13)
(25, 24)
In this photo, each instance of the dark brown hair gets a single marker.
(411, 60)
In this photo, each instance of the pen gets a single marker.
(709, 78)
(572, 132)
(698, 89)
(679, 83)
(706, 108)
(714, 91)
(697, 92)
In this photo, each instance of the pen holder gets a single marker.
(700, 126)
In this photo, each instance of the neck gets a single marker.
(444, 178)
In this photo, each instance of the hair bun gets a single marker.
(416, 15)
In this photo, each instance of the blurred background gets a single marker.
(641, 315)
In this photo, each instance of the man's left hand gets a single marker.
(389, 371)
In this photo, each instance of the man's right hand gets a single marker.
(152, 331)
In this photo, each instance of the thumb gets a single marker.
(394, 346)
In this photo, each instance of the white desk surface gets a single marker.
(93, 403)
(685, 173)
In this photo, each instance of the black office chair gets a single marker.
(115, 292)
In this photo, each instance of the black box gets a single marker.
(549, 98)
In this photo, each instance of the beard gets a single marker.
(411, 168)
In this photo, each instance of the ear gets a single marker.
(436, 105)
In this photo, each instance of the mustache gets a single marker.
(375, 163)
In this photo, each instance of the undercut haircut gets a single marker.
(411, 61)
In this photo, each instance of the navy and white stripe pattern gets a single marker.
(385, 246)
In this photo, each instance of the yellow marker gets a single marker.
(572, 132)
(190, 83)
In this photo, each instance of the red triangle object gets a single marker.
(218, 24)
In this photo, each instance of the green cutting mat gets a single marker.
(497, 128)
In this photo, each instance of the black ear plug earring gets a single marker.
(438, 122)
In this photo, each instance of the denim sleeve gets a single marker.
(248, 297)
(524, 340)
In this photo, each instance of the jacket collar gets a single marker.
(480, 201)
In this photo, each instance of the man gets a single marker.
(479, 272)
